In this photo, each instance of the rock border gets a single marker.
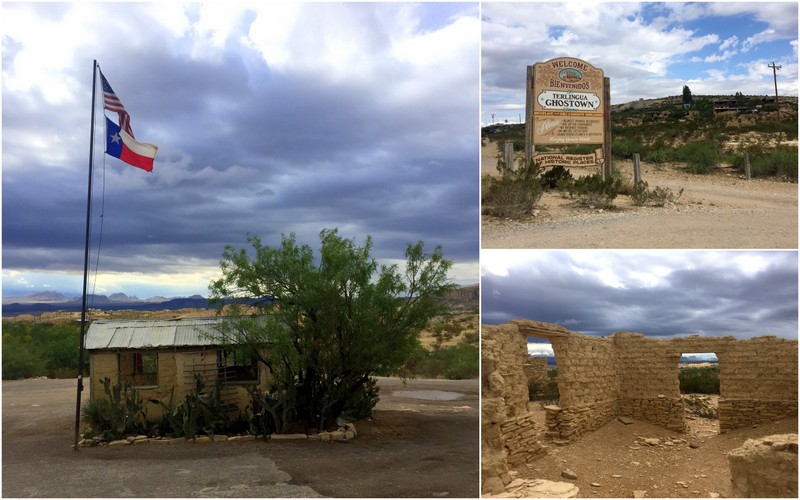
(343, 434)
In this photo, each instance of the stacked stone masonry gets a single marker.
(625, 374)
(508, 434)
(522, 440)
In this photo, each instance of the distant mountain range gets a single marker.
(38, 303)
(686, 360)
(466, 298)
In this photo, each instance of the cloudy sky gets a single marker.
(648, 50)
(269, 119)
(657, 293)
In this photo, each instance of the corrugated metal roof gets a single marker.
(143, 333)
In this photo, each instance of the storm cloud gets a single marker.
(659, 293)
(269, 118)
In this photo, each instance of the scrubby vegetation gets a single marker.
(699, 137)
(452, 362)
(545, 392)
(592, 190)
(641, 195)
(40, 350)
(119, 414)
(122, 413)
(514, 193)
(699, 380)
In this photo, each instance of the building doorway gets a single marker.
(698, 377)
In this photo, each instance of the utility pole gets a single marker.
(493, 117)
(775, 77)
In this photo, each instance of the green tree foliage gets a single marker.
(330, 322)
(40, 350)
(687, 95)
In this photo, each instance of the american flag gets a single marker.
(112, 103)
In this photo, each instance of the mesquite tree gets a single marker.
(326, 324)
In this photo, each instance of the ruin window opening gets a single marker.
(541, 370)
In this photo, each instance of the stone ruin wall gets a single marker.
(588, 385)
(758, 382)
(509, 435)
(625, 374)
(649, 389)
(628, 374)
(758, 378)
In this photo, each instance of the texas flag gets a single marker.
(120, 144)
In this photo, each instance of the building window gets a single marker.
(139, 368)
(237, 365)
(145, 363)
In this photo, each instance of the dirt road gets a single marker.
(719, 210)
(421, 443)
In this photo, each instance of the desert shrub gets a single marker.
(641, 195)
(625, 147)
(781, 161)
(699, 380)
(593, 190)
(660, 154)
(546, 392)
(660, 196)
(514, 194)
(451, 362)
(701, 157)
(551, 177)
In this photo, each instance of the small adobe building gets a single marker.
(160, 356)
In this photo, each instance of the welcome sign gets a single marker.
(568, 104)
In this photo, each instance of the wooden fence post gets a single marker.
(637, 171)
(747, 165)
(508, 155)
(607, 169)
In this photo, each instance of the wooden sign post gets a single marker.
(567, 102)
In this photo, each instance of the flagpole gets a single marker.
(86, 263)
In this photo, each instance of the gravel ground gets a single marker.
(715, 211)
(618, 463)
(418, 445)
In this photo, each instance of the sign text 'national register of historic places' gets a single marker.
(567, 102)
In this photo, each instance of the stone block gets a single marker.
(288, 437)
(765, 467)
